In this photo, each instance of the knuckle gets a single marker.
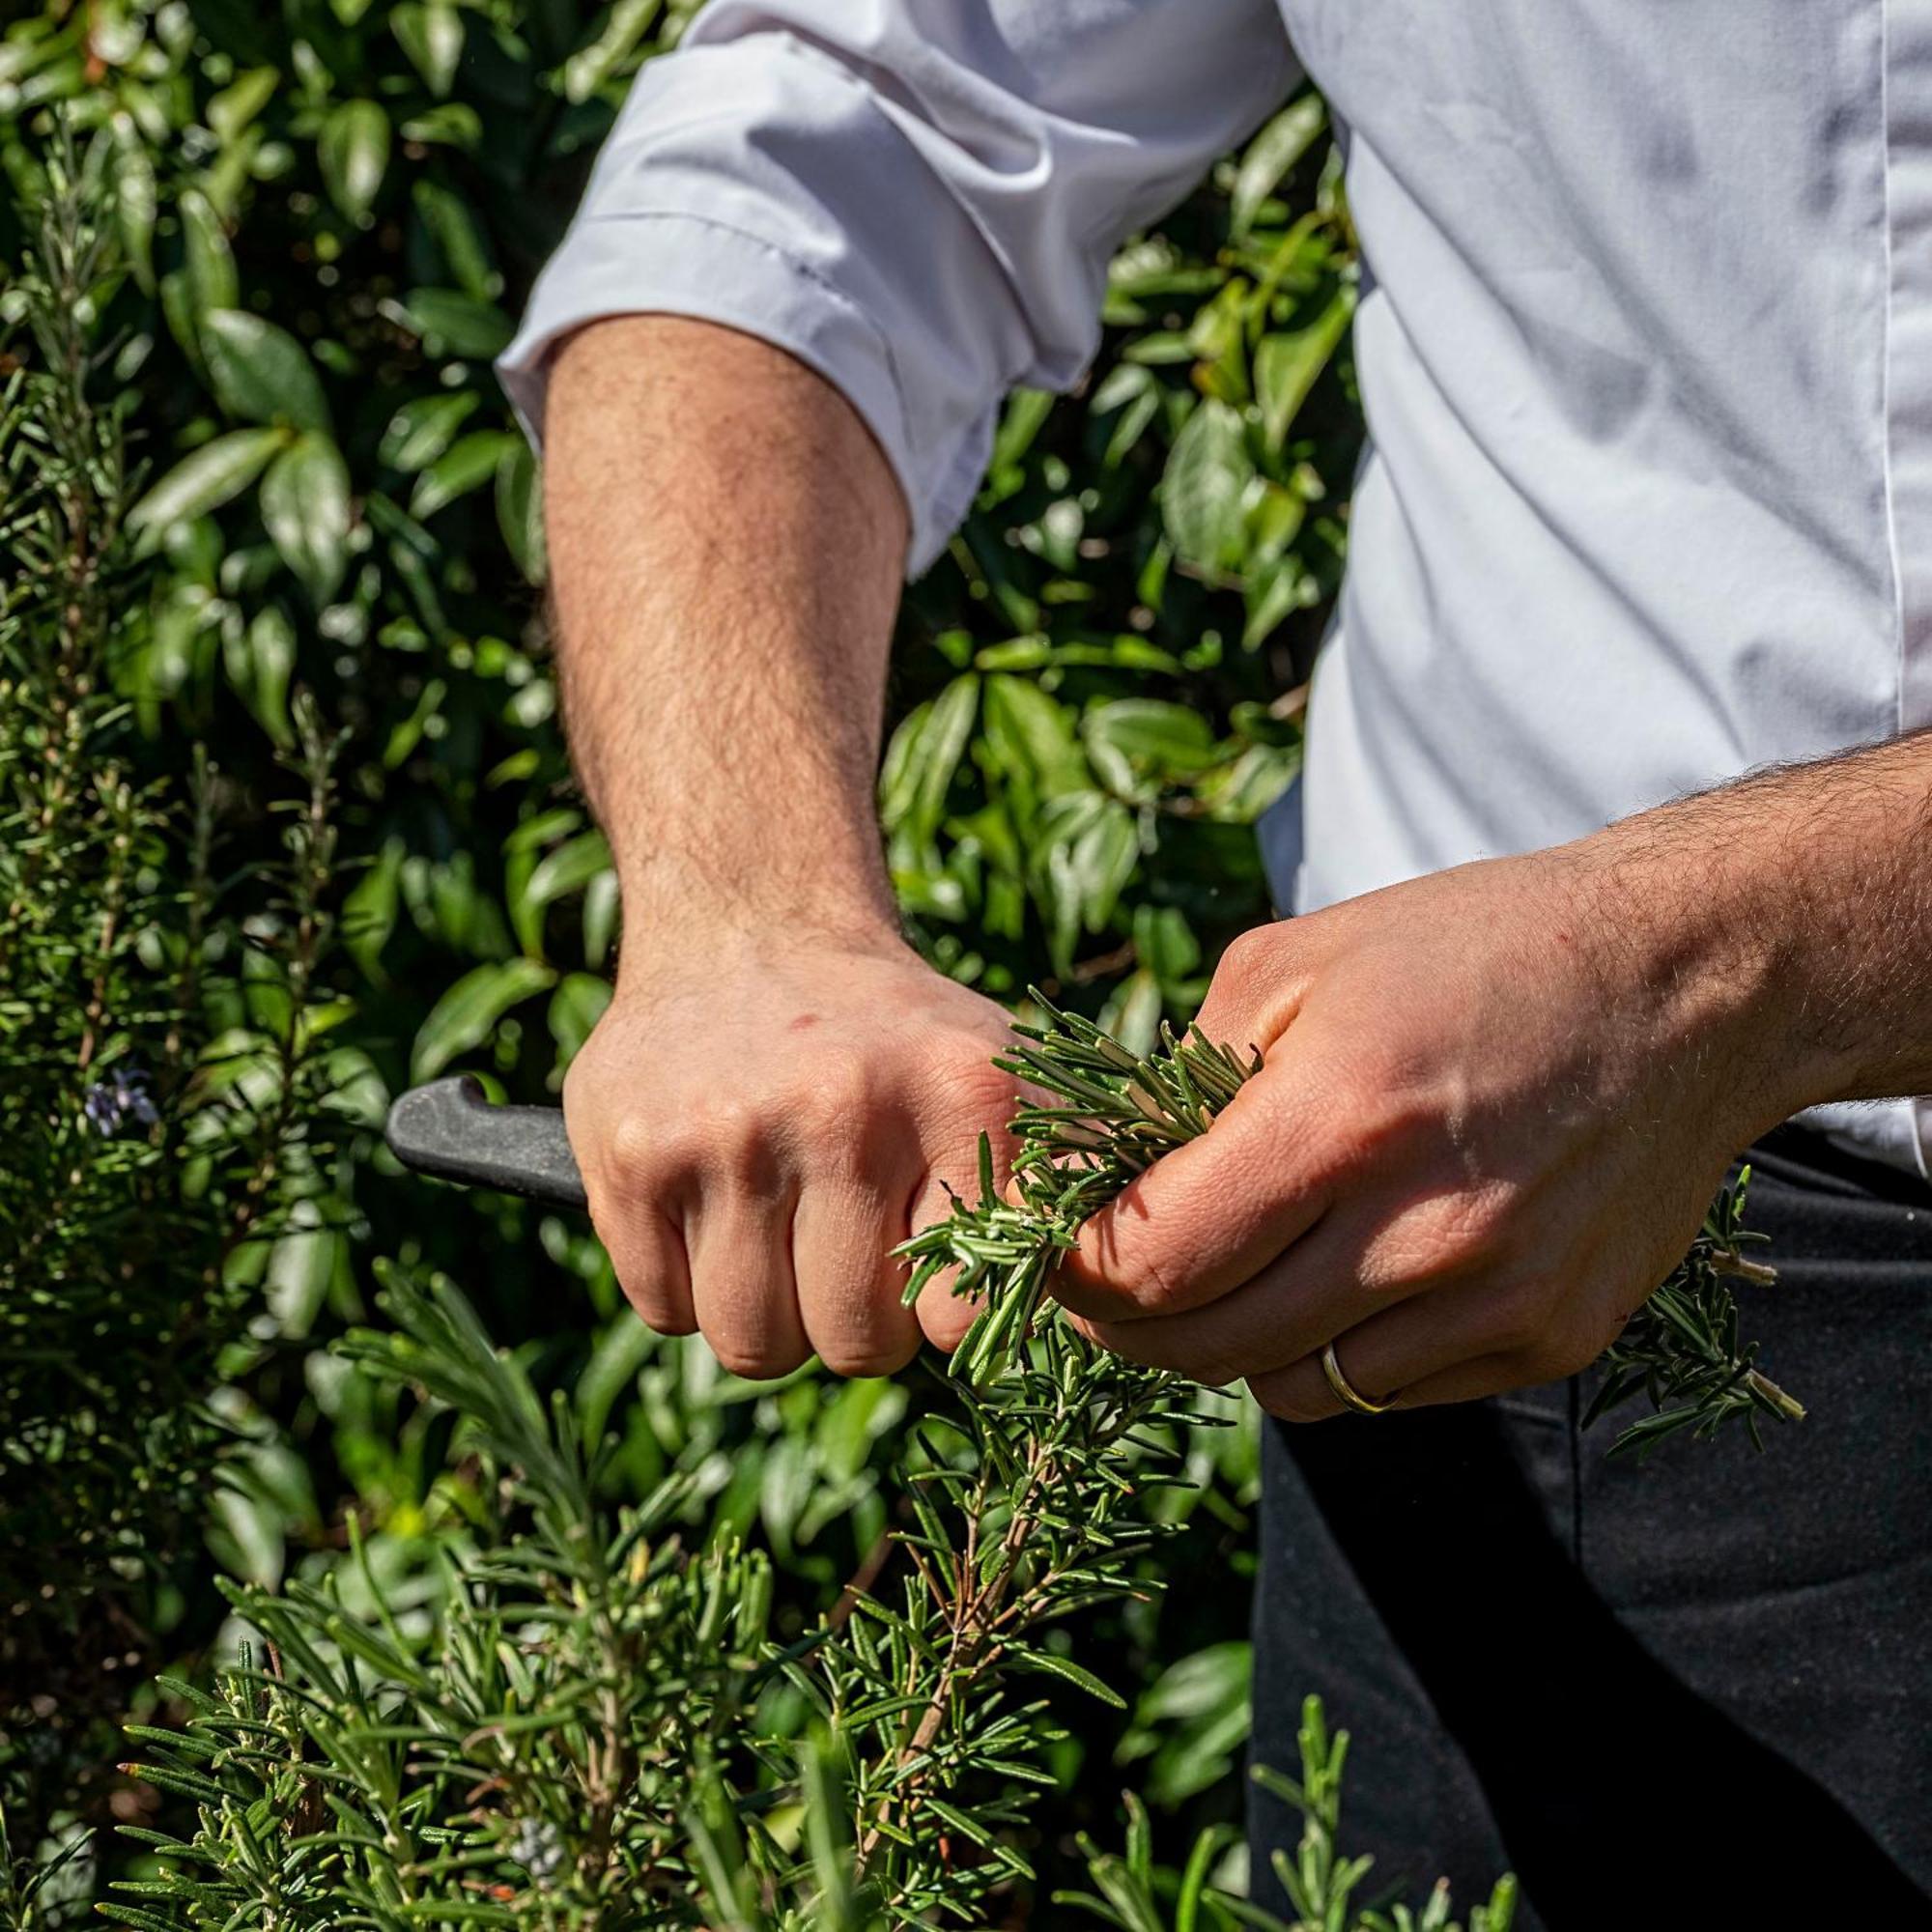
(1246, 955)
(631, 1143)
(830, 1111)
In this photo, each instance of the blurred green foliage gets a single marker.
(326, 212)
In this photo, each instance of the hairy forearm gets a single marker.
(1806, 893)
(727, 543)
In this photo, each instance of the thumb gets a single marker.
(1207, 1217)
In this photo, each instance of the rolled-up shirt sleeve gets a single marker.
(916, 198)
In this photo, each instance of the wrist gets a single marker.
(680, 921)
(1694, 936)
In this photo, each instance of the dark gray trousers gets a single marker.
(1690, 1691)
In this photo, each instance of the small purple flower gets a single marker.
(118, 1097)
(538, 1847)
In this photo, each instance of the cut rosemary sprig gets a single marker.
(1113, 1113)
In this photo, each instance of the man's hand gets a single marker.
(1495, 1106)
(773, 1096)
(759, 1126)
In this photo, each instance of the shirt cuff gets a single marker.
(676, 262)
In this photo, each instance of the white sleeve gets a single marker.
(917, 198)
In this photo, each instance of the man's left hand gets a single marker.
(1495, 1106)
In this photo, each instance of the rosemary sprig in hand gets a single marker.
(1114, 1113)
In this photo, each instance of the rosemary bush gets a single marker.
(609, 1731)
(160, 1094)
(605, 1730)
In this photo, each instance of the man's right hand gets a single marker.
(760, 1124)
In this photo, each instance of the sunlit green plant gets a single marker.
(162, 1095)
(1111, 1113)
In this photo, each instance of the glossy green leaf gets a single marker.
(467, 464)
(1134, 739)
(923, 758)
(369, 910)
(422, 429)
(1203, 489)
(136, 205)
(261, 660)
(1286, 366)
(260, 372)
(431, 37)
(458, 324)
(574, 1009)
(467, 1013)
(586, 71)
(567, 868)
(519, 510)
(212, 278)
(1269, 157)
(353, 150)
(212, 475)
(453, 225)
(306, 508)
(237, 103)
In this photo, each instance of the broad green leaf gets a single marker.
(1270, 154)
(1034, 735)
(260, 372)
(305, 508)
(1286, 366)
(1165, 944)
(353, 151)
(136, 206)
(237, 103)
(450, 321)
(450, 123)
(260, 658)
(575, 1008)
(1135, 740)
(1203, 488)
(216, 473)
(1102, 860)
(421, 430)
(210, 261)
(519, 510)
(568, 868)
(467, 464)
(588, 68)
(925, 755)
(431, 37)
(300, 1268)
(369, 912)
(453, 228)
(467, 1015)
(1132, 1013)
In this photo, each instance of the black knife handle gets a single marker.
(450, 1130)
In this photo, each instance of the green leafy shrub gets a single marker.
(605, 1732)
(163, 1097)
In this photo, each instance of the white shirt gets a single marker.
(1645, 347)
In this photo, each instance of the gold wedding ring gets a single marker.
(1346, 1392)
